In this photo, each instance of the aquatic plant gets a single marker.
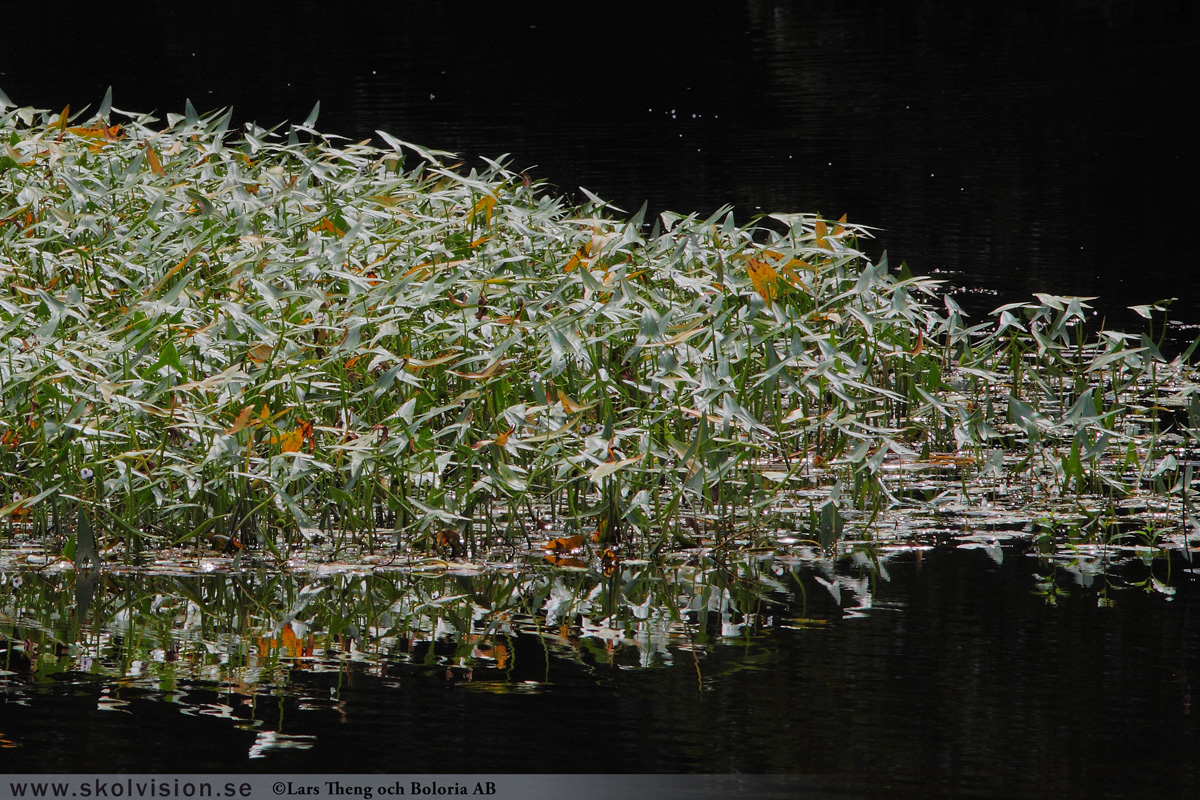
(280, 337)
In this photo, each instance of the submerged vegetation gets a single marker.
(220, 339)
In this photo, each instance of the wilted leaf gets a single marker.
(764, 279)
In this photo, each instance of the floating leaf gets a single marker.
(564, 544)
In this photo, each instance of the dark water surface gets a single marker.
(978, 670)
(1017, 146)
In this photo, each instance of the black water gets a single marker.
(950, 672)
(1016, 146)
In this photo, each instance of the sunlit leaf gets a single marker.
(602, 471)
(764, 279)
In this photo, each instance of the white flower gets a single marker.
(86, 473)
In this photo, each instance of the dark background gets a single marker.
(1013, 147)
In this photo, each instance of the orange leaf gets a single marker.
(485, 206)
(289, 441)
(306, 430)
(260, 353)
(838, 229)
(155, 165)
(564, 544)
(99, 132)
(822, 232)
(243, 421)
(764, 279)
(572, 263)
(502, 438)
(920, 345)
(329, 226)
(569, 405)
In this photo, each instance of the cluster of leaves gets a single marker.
(252, 335)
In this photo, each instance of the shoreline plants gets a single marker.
(219, 337)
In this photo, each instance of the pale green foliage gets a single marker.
(178, 303)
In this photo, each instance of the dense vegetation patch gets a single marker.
(255, 337)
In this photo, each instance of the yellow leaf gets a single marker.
(485, 206)
(790, 273)
(61, 122)
(838, 229)
(289, 441)
(764, 279)
(99, 132)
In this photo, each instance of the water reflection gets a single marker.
(900, 662)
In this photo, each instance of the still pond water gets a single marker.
(972, 669)
(1016, 148)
